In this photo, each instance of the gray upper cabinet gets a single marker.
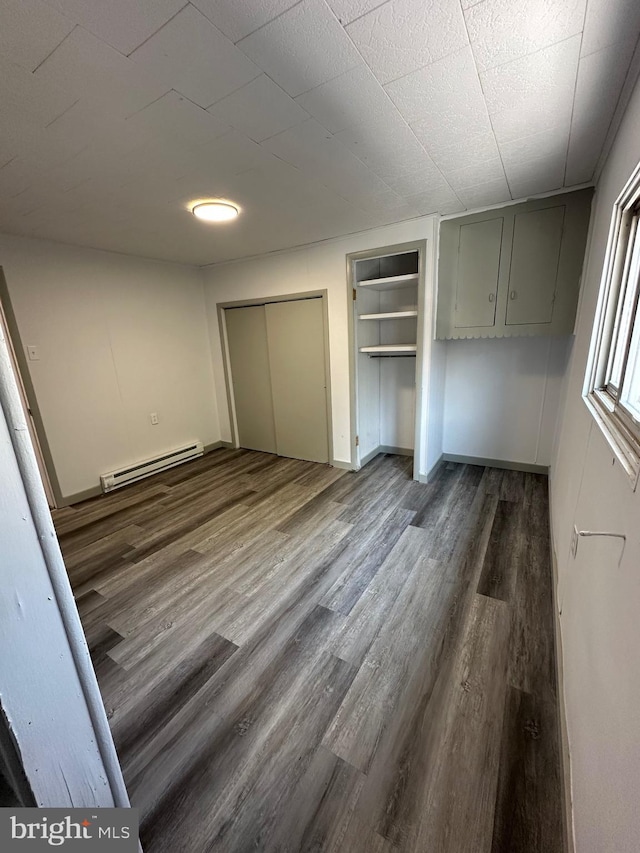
(478, 262)
(513, 271)
(533, 274)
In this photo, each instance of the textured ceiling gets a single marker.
(320, 118)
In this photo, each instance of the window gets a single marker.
(613, 376)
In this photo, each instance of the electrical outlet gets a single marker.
(574, 542)
(154, 418)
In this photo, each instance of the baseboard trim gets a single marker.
(433, 472)
(397, 451)
(216, 445)
(385, 448)
(527, 467)
(340, 463)
(87, 494)
(371, 455)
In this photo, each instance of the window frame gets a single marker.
(617, 313)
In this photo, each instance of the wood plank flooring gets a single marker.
(295, 658)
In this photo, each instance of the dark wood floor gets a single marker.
(294, 658)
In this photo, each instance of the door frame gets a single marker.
(226, 362)
(398, 248)
(46, 641)
(29, 400)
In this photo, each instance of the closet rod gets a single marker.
(394, 355)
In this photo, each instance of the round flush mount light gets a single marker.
(215, 210)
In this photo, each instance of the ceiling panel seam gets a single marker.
(155, 33)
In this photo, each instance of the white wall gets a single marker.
(318, 267)
(119, 338)
(600, 599)
(397, 414)
(502, 397)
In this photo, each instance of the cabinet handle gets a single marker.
(492, 296)
(513, 294)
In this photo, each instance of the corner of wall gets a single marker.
(563, 732)
(217, 433)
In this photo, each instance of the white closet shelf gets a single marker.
(389, 315)
(390, 282)
(390, 348)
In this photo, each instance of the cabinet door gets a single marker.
(477, 275)
(537, 238)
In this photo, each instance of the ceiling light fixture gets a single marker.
(215, 210)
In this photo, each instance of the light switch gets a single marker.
(154, 418)
(33, 353)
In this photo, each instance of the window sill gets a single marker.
(624, 445)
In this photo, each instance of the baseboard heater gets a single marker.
(124, 476)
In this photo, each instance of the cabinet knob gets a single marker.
(492, 296)
(513, 294)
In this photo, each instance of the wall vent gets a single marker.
(124, 476)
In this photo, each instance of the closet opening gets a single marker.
(386, 295)
(276, 362)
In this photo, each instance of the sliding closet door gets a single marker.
(248, 354)
(295, 334)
